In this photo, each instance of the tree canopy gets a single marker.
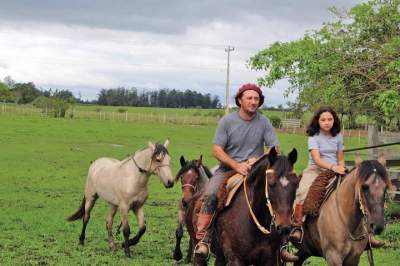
(352, 63)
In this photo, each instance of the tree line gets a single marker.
(23, 93)
(162, 98)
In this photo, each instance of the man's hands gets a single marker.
(243, 168)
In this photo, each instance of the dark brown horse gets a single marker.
(354, 211)
(238, 240)
(194, 176)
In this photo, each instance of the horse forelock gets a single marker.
(370, 167)
(282, 166)
(189, 165)
(193, 165)
(159, 150)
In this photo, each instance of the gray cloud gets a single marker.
(88, 45)
(169, 17)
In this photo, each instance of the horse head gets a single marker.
(371, 188)
(192, 175)
(160, 163)
(281, 183)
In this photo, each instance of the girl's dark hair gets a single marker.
(313, 127)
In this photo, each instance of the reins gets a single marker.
(268, 203)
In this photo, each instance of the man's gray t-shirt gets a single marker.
(327, 145)
(243, 139)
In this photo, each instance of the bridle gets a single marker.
(192, 187)
(268, 203)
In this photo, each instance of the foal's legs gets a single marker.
(138, 210)
(179, 233)
(89, 203)
(109, 223)
(124, 208)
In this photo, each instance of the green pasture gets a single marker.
(43, 166)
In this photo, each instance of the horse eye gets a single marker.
(364, 187)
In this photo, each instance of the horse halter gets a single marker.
(142, 170)
(190, 185)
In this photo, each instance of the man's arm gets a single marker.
(219, 153)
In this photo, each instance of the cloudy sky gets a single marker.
(87, 45)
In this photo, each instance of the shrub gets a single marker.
(275, 121)
(52, 106)
(122, 110)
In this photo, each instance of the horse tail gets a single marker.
(79, 213)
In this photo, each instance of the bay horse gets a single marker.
(194, 176)
(123, 184)
(352, 212)
(265, 200)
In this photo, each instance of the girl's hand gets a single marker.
(340, 169)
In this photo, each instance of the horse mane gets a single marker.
(259, 165)
(192, 165)
(368, 167)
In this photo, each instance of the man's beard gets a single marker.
(250, 113)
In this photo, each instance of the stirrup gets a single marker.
(208, 249)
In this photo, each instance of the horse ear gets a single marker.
(182, 161)
(382, 159)
(199, 162)
(272, 156)
(292, 156)
(151, 145)
(357, 161)
(166, 143)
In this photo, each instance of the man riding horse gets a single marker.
(239, 140)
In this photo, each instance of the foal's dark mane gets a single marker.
(192, 165)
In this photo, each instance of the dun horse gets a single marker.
(264, 201)
(123, 184)
(194, 176)
(356, 209)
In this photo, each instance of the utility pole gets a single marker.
(229, 49)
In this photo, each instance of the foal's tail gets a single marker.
(79, 213)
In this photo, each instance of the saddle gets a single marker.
(319, 192)
(228, 189)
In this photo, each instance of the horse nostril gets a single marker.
(169, 184)
(377, 229)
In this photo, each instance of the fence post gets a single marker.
(126, 116)
(372, 141)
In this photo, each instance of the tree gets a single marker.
(25, 92)
(350, 63)
(5, 93)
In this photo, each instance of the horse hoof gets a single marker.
(112, 247)
(286, 256)
(127, 255)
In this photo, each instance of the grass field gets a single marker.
(43, 166)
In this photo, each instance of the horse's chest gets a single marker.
(139, 197)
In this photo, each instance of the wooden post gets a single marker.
(373, 140)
